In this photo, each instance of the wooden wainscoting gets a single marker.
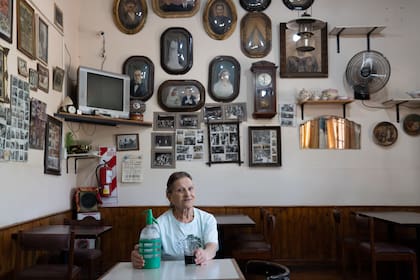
(305, 234)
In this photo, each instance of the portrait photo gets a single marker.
(220, 18)
(6, 20)
(130, 15)
(179, 96)
(141, 72)
(176, 50)
(58, 78)
(224, 78)
(175, 8)
(22, 67)
(41, 40)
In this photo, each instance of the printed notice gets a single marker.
(131, 169)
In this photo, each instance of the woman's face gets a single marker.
(182, 195)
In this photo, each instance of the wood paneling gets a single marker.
(305, 235)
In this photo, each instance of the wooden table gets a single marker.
(79, 231)
(177, 270)
(230, 221)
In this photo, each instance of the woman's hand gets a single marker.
(204, 255)
(137, 259)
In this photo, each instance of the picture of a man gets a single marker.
(220, 23)
(130, 14)
(138, 84)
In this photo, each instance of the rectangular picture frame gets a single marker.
(41, 40)
(224, 142)
(6, 28)
(52, 151)
(162, 140)
(294, 64)
(127, 142)
(43, 78)
(164, 121)
(25, 28)
(264, 146)
(58, 17)
(22, 67)
(163, 159)
(3, 74)
(175, 9)
(188, 121)
(58, 78)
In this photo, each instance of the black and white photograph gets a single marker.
(213, 112)
(224, 144)
(175, 8)
(37, 124)
(33, 79)
(176, 50)
(188, 121)
(189, 144)
(164, 121)
(181, 95)
(264, 146)
(224, 78)
(127, 142)
(287, 114)
(41, 40)
(163, 159)
(141, 71)
(22, 67)
(58, 78)
(162, 140)
(235, 111)
(52, 151)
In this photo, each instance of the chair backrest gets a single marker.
(87, 221)
(37, 244)
(365, 230)
(268, 270)
(271, 229)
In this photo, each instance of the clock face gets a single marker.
(71, 109)
(137, 106)
(264, 79)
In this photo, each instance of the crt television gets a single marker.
(103, 93)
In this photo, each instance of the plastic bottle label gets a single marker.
(150, 249)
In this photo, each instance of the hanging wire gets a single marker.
(376, 107)
(103, 52)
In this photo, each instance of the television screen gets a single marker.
(105, 92)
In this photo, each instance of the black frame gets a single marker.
(224, 142)
(4, 74)
(321, 54)
(171, 61)
(53, 141)
(225, 24)
(121, 20)
(264, 146)
(42, 40)
(180, 87)
(251, 23)
(251, 6)
(175, 11)
(58, 17)
(131, 147)
(43, 77)
(7, 33)
(218, 66)
(25, 28)
(146, 66)
(58, 78)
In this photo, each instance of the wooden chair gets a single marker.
(255, 236)
(256, 269)
(32, 245)
(90, 260)
(345, 243)
(258, 250)
(379, 251)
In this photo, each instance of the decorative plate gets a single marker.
(411, 124)
(385, 134)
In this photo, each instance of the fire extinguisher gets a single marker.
(104, 178)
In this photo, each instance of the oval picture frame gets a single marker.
(175, 9)
(132, 21)
(255, 5)
(224, 78)
(219, 19)
(140, 67)
(176, 50)
(181, 95)
(256, 35)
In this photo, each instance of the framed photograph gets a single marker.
(25, 28)
(127, 142)
(3, 74)
(235, 111)
(58, 78)
(176, 50)
(163, 159)
(224, 144)
(175, 8)
(22, 67)
(224, 78)
(33, 79)
(6, 19)
(188, 121)
(52, 151)
(220, 18)
(255, 6)
(58, 17)
(43, 78)
(41, 40)
(164, 121)
(189, 145)
(213, 112)
(264, 146)
(255, 35)
(162, 140)
(296, 64)
(181, 95)
(141, 71)
(130, 15)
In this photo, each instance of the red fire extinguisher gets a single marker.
(104, 178)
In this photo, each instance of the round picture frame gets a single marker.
(224, 78)
(411, 124)
(130, 15)
(385, 134)
(219, 19)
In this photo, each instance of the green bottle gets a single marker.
(150, 243)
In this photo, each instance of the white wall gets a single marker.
(373, 175)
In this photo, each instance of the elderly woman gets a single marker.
(183, 220)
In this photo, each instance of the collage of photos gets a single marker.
(224, 146)
(189, 144)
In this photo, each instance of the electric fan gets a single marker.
(367, 72)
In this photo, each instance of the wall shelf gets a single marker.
(100, 120)
(355, 30)
(342, 102)
(77, 157)
(411, 103)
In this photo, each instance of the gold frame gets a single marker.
(177, 13)
(256, 25)
(25, 28)
(6, 30)
(4, 74)
(230, 12)
(120, 21)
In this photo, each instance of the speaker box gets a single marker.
(86, 199)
